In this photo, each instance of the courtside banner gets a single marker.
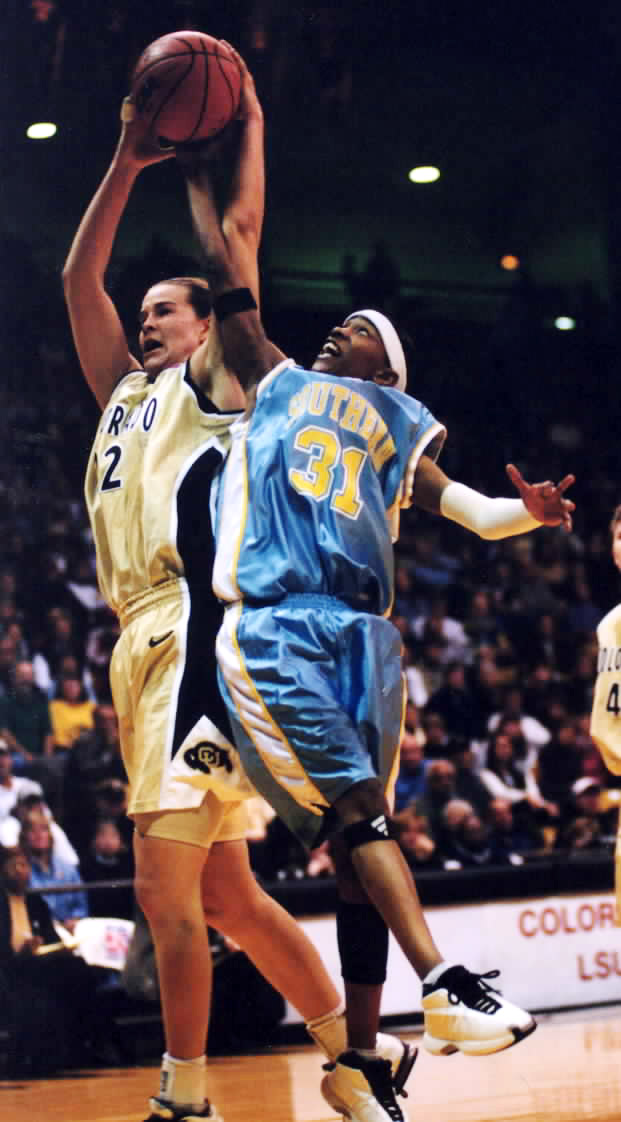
(553, 952)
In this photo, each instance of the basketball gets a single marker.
(186, 85)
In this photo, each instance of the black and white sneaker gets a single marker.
(463, 1013)
(362, 1089)
(162, 1111)
(401, 1055)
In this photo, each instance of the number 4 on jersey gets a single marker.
(612, 705)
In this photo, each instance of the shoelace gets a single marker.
(380, 1081)
(474, 991)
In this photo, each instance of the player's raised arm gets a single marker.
(540, 503)
(230, 242)
(97, 330)
(242, 220)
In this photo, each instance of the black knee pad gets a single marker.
(378, 828)
(362, 939)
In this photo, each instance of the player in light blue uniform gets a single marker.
(309, 501)
(312, 565)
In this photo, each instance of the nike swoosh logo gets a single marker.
(156, 642)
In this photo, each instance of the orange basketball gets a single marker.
(187, 85)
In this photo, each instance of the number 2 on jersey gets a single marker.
(325, 455)
(109, 481)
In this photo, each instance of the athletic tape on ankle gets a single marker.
(378, 828)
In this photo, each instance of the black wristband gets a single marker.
(235, 300)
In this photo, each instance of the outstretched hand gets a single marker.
(136, 139)
(545, 501)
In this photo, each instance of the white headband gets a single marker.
(391, 341)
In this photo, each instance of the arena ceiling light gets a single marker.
(424, 174)
(41, 130)
(564, 323)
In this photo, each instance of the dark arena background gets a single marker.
(502, 267)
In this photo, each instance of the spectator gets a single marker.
(95, 759)
(8, 658)
(414, 678)
(413, 767)
(505, 780)
(109, 859)
(455, 704)
(468, 784)
(49, 1001)
(560, 764)
(432, 569)
(583, 614)
(12, 626)
(432, 659)
(482, 625)
(592, 761)
(485, 679)
(406, 602)
(415, 841)
(581, 679)
(514, 833)
(48, 869)
(440, 780)
(10, 828)
(60, 639)
(437, 740)
(99, 645)
(71, 713)
(448, 825)
(534, 733)
(12, 787)
(584, 824)
(111, 802)
(543, 684)
(458, 647)
(549, 644)
(471, 843)
(25, 724)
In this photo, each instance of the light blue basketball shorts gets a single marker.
(315, 695)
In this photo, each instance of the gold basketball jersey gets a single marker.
(148, 521)
(606, 712)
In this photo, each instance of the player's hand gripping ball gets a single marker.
(186, 86)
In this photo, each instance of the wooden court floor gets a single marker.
(565, 1072)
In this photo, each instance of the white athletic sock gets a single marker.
(330, 1032)
(367, 1053)
(184, 1082)
(436, 972)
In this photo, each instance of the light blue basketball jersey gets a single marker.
(313, 487)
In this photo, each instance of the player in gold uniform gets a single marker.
(163, 433)
(606, 710)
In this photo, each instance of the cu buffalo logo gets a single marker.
(205, 756)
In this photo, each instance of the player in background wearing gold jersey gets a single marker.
(606, 710)
(191, 855)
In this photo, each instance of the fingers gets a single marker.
(546, 489)
(128, 110)
(565, 483)
(515, 476)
